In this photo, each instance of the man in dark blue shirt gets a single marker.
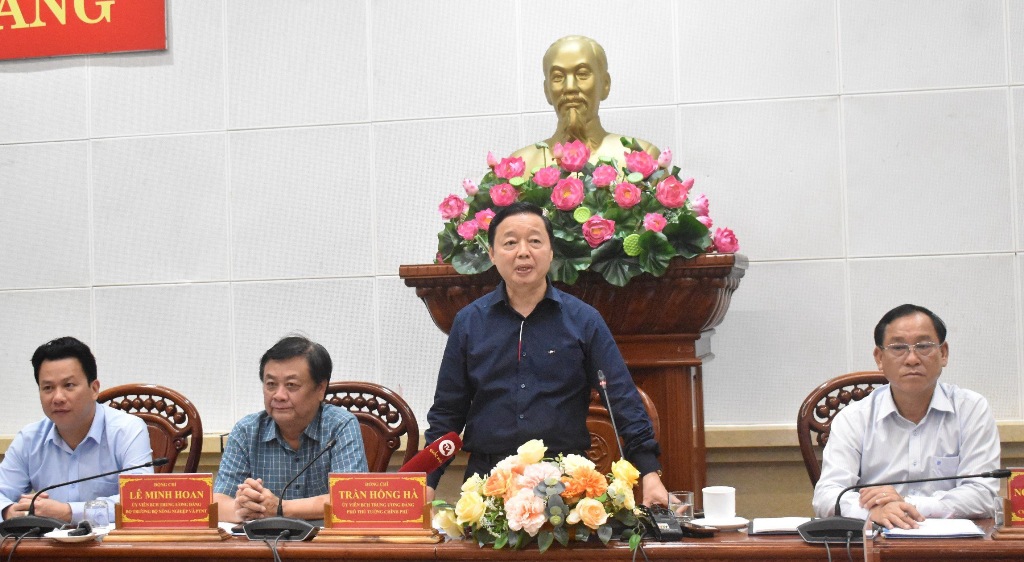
(520, 363)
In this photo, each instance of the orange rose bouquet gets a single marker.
(527, 496)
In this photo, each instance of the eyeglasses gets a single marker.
(922, 349)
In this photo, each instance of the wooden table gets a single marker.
(733, 546)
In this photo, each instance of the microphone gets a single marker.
(434, 455)
(842, 529)
(37, 526)
(281, 527)
(603, 383)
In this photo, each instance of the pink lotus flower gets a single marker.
(655, 222)
(672, 193)
(567, 194)
(492, 160)
(725, 241)
(504, 195)
(468, 229)
(483, 218)
(525, 511)
(452, 206)
(604, 175)
(627, 195)
(510, 168)
(547, 177)
(556, 152)
(700, 205)
(438, 258)
(470, 187)
(597, 230)
(665, 159)
(574, 156)
(640, 161)
(706, 221)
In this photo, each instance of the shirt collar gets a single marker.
(95, 430)
(270, 432)
(940, 401)
(500, 295)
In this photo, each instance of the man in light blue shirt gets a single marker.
(267, 449)
(78, 438)
(914, 427)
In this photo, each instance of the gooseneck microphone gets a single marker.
(434, 455)
(603, 383)
(32, 525)
(281, 527)
(848, 529)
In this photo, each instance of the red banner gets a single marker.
(378, 502)
(165, 501)
(47, 28)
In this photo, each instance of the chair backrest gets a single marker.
(814, 421)
(603, 449)
(172, 419)
(384, 417)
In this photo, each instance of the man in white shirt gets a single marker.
(914, 427)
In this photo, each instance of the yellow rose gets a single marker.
(623, 470)
(474, 484)
(532, 451)
(445, 520)
(621, 494)
(470, 508)
(591, 512)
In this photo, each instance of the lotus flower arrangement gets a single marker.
(527, 496)
(619, 219)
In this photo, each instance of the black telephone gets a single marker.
(662, 525)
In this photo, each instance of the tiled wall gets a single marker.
(181, 210)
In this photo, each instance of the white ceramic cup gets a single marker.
(719, 502)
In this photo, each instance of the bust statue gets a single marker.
(576, 80)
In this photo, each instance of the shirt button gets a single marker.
(522, 385)
(522, 416)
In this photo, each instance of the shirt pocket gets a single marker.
(943, 466)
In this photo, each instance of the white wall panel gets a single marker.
(437, 59)
(916, 44)
(301, 202)
(1017, 97)
(786, 333)
(771, 172)
(928, 172)
(32, 318)
(161, 209)
(178, 336)
(296, 63)
(742, 49)
(974, 296)
(44, 215)
(418, 164)
(180, 89)
(1015, 36)
(337, 313)
(44, 99)
(637, 38)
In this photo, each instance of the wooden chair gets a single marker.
(821, 406)
(603, 449)
(172, 419)
(384, 417)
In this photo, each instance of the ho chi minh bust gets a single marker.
(576, 80)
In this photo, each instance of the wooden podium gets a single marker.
(663, 326)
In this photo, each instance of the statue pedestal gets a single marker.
(663, 326)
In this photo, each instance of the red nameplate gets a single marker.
(79, 27)
(378, 502)
(166, 501)
(1015, 489)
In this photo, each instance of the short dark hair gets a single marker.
(65, 348)
(907, 310)
(317, 358)
(518, 208)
